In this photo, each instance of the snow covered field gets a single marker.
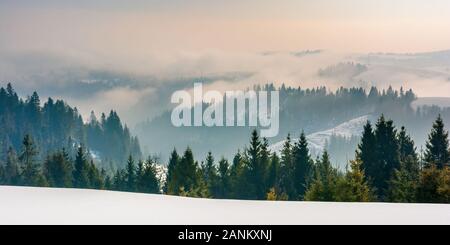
(27, 205)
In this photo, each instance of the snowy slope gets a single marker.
(25, 205)
(317, 141)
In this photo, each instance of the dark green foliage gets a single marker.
(224, 179)
(30, 170)
(366, 153)
(147, 181)
(303, 165)
(434, 185)
(96, 180)
(11, 169)
(187, 177)
(379, 154)
(58, 169)
(210, 176)
(238, 178)
(274, 172)
(323, 186)
(55, 125)
(437, 151)
(131, 175)
(81, 170)
(286, 185)
(353, 187)
(171, 181)
(407, 148)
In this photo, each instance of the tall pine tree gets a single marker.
(437, 147)
(171, 186)
(30, 175)
(81, 170)
(302, 164)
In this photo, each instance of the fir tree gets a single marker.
(323, 186)
(223, 179)
(434, 185)
(366, 152)
(302, 166)
(171, 186)
(140, 184)
(403, 185)
(286, 183)
(387, 156)
(353, 187)
(406, 146)
(437, 147)
(262, 185)
(254, 172)
(189, 176)
(274, 171)
(58, 169)
(210, 174)
(11, 170)
(81, 170)
(95, 178)
(30, 175)
(149, 179)
(131, 174)
(237, 177)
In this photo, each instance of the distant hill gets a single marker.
(54, 125)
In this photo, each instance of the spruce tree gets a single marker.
(366, 152)
(130, 174)
(286, 184)
(209, 171)
(353, 187)
(274, 171)
(403, 185)
(302, 164)
(262, 185)
(223, 179)
(149, 179)
(11, 172)
(406, 146)
(189, 175)
(323, 186)
(30, 175)
(81, 170)
(254, 175)
(437, 147)
(95, 178)
(139, 176)
(172, 184)
(387, 156)
(58, 169)
(237, 177)
(434, 185)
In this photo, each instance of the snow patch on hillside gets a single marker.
(317, 141)
(28, 205)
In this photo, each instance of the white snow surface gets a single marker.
(317, 141)
(29, 205)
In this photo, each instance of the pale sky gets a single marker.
(115, 26)
(53, 46)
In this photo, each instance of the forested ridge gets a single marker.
(387, 166)
(55, 125)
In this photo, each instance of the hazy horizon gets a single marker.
(129, 56)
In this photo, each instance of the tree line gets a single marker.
(387, 167)
(55, 125)
(60, 170)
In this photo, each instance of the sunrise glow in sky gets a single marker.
(249, 25)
